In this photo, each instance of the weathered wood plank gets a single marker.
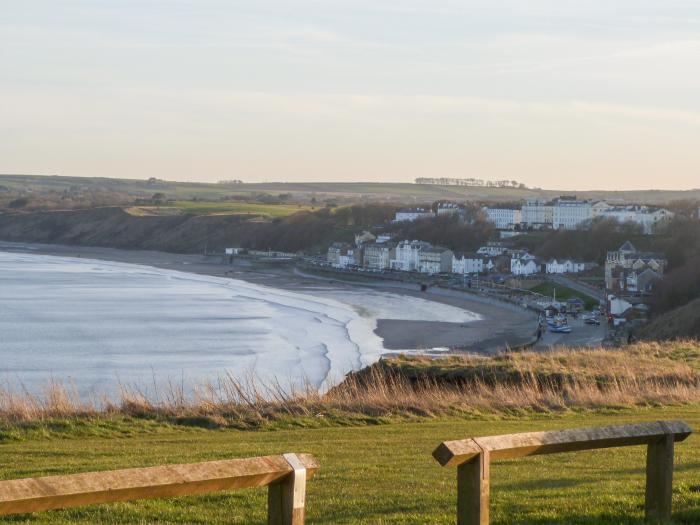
(453, 453)
(659, 485)
(286, 499)
(54, 492)
(473, 490)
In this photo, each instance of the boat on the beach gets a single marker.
(560, 329)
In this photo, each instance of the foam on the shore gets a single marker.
(100, 324)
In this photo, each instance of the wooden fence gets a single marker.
(285, 476)
(473, 457)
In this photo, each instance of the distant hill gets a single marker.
(681, 323)
(375, 191)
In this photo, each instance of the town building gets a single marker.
(645, 216)
(524, 267)
(537, 214)
(503, 218)
(407, 255)
(453, 209)
(435, 260)
(378, 256)
(624, 267)
(493, 248)
(412, 214)
(467, 263)
(342, 255)
(565, 266)
(569, 213)
(364, 237)
(523, 263)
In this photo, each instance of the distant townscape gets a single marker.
(629, 274)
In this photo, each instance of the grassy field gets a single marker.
(564, 293)
(237, 208)
(378, 474)
(400, 192)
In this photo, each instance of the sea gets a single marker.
(101, 327)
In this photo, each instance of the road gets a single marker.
(580, 287)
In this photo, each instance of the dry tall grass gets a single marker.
(643, 374)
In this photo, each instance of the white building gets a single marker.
(645, 216)
(450, 208)
(569, 213)
(503, 218)
(378, 256)
(524, 266)
(463, 263)
(435, 260)
(342, 255)
(537, 214)
(493, 248)
(564, 266)
(412, 214)
(407, 256)
(364, 237)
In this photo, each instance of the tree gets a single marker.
(18, 203)
(158, 198)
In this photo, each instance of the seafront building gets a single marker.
(524, 263)
(378, 256)
(407, 255)
(562, 266)
(467, 263)
(343, 255)
(435, 260)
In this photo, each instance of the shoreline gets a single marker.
(499, 325)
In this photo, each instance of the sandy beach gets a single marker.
(498, 325)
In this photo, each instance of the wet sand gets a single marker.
(501, 325)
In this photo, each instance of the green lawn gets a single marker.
(382, 474)
(237, 208)
(564, 293)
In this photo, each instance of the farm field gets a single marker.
(398, 192)
(381, 473)
(237, 208)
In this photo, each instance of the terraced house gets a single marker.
(377, 256)
(435, 260)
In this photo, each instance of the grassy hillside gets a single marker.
(397, 192)
(380, 474)
(139, 228)
(237, 208)
(681, 322)
(374, 435)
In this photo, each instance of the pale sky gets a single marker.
(561, 94)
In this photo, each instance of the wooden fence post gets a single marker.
(659, 485)
(473, 489)
(286, 500)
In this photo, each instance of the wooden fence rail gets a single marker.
(473, 457)
(285, 476)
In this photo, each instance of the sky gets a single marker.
(560, 94)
